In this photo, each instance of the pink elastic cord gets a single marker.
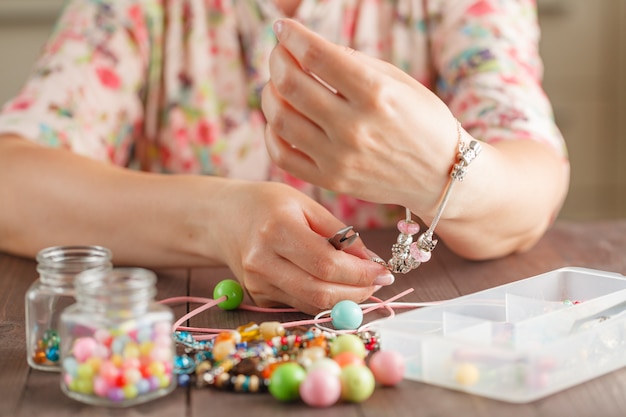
(366, 309)
(210, 333)
(205, 306)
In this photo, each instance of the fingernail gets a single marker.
(278, 26)
(372, 254)
(384, 279)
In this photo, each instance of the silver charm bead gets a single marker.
(466, 155)
(426, 242)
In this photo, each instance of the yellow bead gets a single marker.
(270, 329)
(85, 371)
(310, 355)
(117, 360)
(131, 350)
(227, 365)
(253, 383)
(130, 391)
(223, 349)
(203, 367)
(73, 386)
(132, 375)
(232, 336)
(94, 363)
(156, 369)
(240, 380)
(467, 374)
(164, 381)
(84, 385)
(348, 343)
(146, 348)
(248, 332)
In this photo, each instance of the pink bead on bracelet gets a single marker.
(407, 254)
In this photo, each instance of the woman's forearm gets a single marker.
(271, 236)
(511, 194)
(53, 197)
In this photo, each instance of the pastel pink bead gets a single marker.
(131, 363)
(160, 354)
(109, 372)
(100, 387)
(163, 340)
(418, 254)
(387, 366)
(408, 227)
(101, 351)
(132, 376)
(102, 335)
(84, 348)
(67, 379)
(162, 327)
(320, 388)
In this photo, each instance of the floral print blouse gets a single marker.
(173, 86)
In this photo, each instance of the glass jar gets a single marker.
(117, 346)
(51, 293)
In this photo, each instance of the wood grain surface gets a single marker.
(598, 245)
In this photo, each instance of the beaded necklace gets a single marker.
(246, 358)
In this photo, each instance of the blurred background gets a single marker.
(584, 51)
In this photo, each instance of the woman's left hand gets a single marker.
(354, 124)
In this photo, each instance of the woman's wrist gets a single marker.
(508, 199)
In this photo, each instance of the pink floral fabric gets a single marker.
(173, 86)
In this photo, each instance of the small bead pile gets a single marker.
(47, 351)
(120, 364)
(316, 366)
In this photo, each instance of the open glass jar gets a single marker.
(117, 347)
(51, 293)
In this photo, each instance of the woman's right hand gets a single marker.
(275, 240)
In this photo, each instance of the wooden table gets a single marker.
(598, 245)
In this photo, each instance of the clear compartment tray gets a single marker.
(517, 342)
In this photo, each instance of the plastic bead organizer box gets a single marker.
(517, 342)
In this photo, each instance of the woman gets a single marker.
(132, 99)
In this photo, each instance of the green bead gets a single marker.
(51, 338)
(346, 315)
(348, 343)
(233, 292)
(84, 386)
(285, 381)
(357, 383)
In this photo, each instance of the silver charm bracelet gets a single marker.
(407, 254)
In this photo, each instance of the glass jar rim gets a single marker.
(74, 254)
(129, 282)
(59, 264)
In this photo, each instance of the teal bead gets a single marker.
(346, 315)
(52, 354)
(233, 292)
(285, 381)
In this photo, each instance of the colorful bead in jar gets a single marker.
(52, 292)
(117, 347)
